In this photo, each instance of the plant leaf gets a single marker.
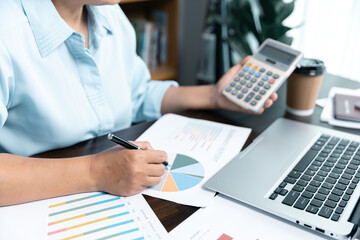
(275, 31)
(285, 11)
(268, 10)
(286, 39)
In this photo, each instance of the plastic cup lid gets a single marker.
(311, 67)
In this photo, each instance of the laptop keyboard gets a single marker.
(324, 179)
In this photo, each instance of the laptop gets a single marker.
(303, 173)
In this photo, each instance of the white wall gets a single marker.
(330, 32)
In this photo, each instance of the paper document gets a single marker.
(321, 102)
(327, 114)
(102, 216)
(84, 216)
(226, 219)
(196, 150)
(24, 221)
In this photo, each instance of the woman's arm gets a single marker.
(25, 179)
(206, 97)
(117, 171)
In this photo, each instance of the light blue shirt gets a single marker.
(54, 92)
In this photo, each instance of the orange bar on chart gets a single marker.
(169, 185)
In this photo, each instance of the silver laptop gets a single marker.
(303, 173)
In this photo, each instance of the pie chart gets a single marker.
(184, 173)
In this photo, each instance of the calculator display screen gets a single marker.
(277, 54)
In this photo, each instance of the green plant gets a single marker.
(250, 22)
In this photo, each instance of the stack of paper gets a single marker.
(197, 149)
(327, 114)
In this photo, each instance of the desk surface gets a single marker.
(172, 214)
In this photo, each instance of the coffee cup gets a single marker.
(303, 87)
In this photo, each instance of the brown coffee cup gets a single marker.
(303, 87)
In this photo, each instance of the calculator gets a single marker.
(262, 75)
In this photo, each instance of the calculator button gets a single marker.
(245, 69)
(276, 76)
(253, 103)
(256, 89)
(253, 80)
(233, 84)
(260, 84)
(241, 74)
(249, 97)
(249, 85)
(245, 90)
(240, 96)
(267, 86)
(262, 92)
(237, 79)
(257, 74)
(269, 73)
(262, 70)
(271, 81)
(234, 92)
(252, 71)
(256, 67)
(258, 97)
(228, 89)
(243, 82)
(249, 64)
(247, 77)
(265, 78)
(238, 87)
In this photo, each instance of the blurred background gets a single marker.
(199, 40)
(325, 29)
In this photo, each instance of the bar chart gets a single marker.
(102, 216)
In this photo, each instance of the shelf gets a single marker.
(133, 1)
(163, 72)
(138, 9)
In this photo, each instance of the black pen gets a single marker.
(127, 144)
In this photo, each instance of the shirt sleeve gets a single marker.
(147, 94)
(6, 83)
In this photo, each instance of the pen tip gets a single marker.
(110, 136)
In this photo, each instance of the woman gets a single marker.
(69, 72)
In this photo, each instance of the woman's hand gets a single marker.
(222, 102)
(127, 172)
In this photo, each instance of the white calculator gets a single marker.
(262, 75)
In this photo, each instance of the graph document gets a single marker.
(102, 216)
(196, 149)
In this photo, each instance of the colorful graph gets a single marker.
(97, 216)
(184, 173)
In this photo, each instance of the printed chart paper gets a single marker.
(24, 221)
(182, 173)
(102, 216)
(196, 150)
(227, 219)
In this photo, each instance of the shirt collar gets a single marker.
(50, 30)
(98, 21)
